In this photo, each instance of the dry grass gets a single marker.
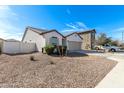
(20, 71)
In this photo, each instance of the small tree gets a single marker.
(102, 39)
(122, 45)
(115, 43)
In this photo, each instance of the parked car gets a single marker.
(98, 47)
(111, 48)
(108, 48)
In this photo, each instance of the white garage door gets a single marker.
(72, 45)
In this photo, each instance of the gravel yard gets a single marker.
(50, 71)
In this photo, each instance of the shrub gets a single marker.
(51, 62)
(62, 50)
(32, 58)
(49, 49)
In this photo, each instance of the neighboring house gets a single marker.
(1, 40)
(42, 37)
(88, 39)
(74, 41)
(12, 40)
(1, 44)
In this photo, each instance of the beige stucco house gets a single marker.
(73, 41)
(42, 37)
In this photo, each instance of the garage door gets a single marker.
(72, 45)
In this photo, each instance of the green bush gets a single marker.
(49, 49)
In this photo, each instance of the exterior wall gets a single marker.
(47, 37)
(1, 44)
(18, 47)
(88, 40)
(93, 41)
(33, 37)
(74, 37)
(1, 41)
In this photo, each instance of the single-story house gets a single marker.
(42, 37)
(73, 41)
(45, 37)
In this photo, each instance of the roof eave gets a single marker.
(88, 31)
(52, 31)
(72, 34)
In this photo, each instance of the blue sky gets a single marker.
(66, 19)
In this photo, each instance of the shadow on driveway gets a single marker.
(72, 54)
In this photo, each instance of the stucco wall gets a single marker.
(1, 44)
(18, 47)
(53, 34)
(33, 37)
(74, 37)
(1, 41)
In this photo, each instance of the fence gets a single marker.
(14, 47)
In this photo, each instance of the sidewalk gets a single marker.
(115, 78)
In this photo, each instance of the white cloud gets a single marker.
(6, 12)
(7, 28)
(71, 26)
(76, 26)
(82, 25)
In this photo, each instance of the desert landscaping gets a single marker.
(43, 71)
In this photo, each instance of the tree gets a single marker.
(115, 43)
(103, 39)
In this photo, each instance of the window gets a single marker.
(54, 41)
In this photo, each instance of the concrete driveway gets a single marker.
(115, 78)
